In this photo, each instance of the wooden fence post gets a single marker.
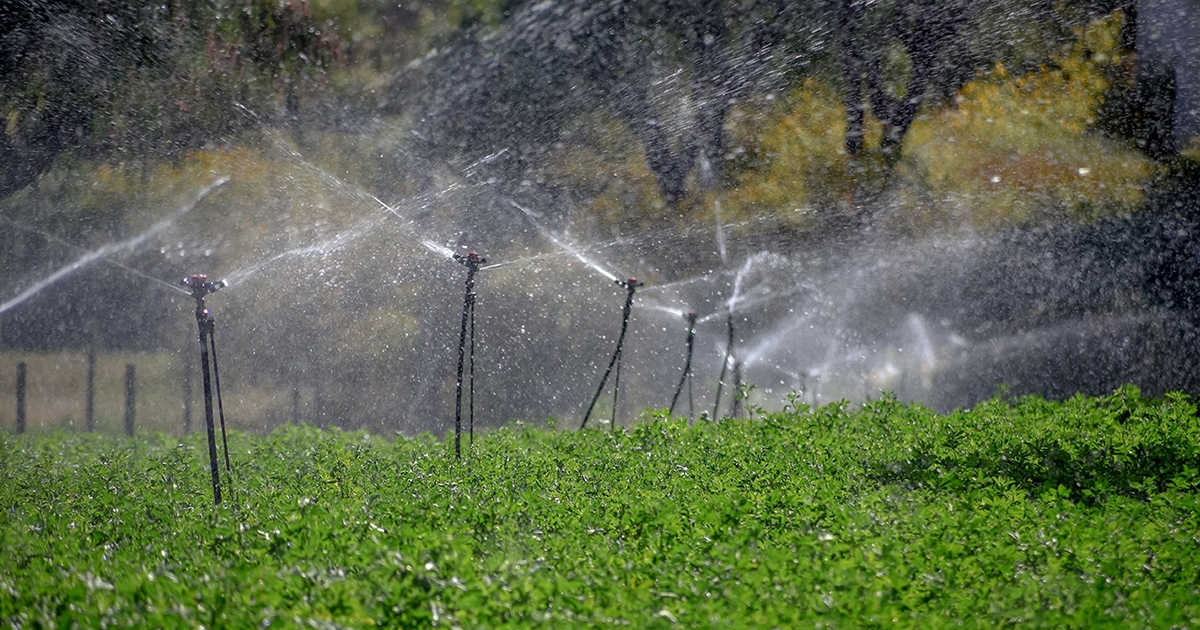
(21, 397)
(130, 397)
(188, 369)
(90, 412)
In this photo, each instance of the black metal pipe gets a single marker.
(90, 393)
(471, 374)
(205, 371)
(472, 261)
(724, 368)
(631, 285)
(687, 369)
(200, 287)
(612, 422)
(737, 390)
(212, 342)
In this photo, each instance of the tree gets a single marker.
(149, 79)
(1168, 75)
(889, 56)
(509, 92)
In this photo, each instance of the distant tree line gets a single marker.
(671, 70)
(145, 81)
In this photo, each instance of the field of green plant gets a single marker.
(1033, 513)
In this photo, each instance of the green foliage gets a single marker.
(1031, 512)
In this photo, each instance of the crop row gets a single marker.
(1040, 513)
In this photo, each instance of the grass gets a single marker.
(1042, 514)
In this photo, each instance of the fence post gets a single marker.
(295, 402)
(188, 369)
(130, 397)
(21, 397)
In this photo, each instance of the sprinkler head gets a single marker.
(690, 316)
(470, 259)
(630, 284)
(201, 287)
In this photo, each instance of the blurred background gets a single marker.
(938, 198)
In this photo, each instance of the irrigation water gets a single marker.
(341, 296)
(113, 249)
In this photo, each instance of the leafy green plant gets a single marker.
(1028, 511)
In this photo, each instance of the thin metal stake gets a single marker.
(21, 397)
(724, 368)
(212, 342)
(687, 370)
(90, 394)
(471, 370)
(631, 286)
(200, 287)
(130, 397)
(472, 262)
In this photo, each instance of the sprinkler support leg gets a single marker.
(724, 368)
(212, 344)
(687, 366)
(200, 286)
(471, 375)
(631, 285)
(472, 262)
(737, 389)
(205, 370)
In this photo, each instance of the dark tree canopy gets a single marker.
(511, 90)
(148, 80)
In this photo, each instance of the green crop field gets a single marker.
(1028, 513)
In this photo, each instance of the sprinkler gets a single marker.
(200, 287)
(737, 389)
(472, 261)
(724, 366)
(687, 370)
(631, 286)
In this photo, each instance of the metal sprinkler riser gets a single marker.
(472, 261)
(631, 285)
(200, 287)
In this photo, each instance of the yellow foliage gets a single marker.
(801, 147)
(610, 167)
(1010, 149)
(1013, 148)
(1192, 151)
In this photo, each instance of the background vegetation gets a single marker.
(115, 113)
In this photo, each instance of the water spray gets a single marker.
(472, 261)
(200, 287)
(687, 370)
(631, 286)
